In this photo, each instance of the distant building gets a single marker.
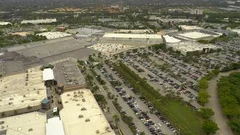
(185, 47)
(196, 11)
(22, 34)
(54, 35)
(175, 10)
(39, 21)
(186, 27)
(5, 23)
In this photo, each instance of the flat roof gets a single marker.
(48, 74)
(24, 124)
(110, 48)
(144, 36)
(5, 23)
(195, 35)
(22, 90)
(54, 126)
(54, 35)
(81, 114)
(191, 46)
(170, 39)
(136, 31)
(39, 21)
(236, 30)
(189, 27)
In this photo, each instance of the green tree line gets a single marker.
(229, 98)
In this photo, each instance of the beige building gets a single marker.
(25, 124)
(21, 93)
(82, 114)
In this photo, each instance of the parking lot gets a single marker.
(177, 77)
(142, 111)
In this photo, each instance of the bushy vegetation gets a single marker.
(100, 99)
(233, 66)
(98, 77)
(15, 39)
(203, 85)
(126, 119)
(178, 113)
(229, 97)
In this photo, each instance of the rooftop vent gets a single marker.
(87, 120)
(2, 122)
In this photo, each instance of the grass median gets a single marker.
(180, 115)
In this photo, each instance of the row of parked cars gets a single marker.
(154, 128)
(160, 77)
(158, 114)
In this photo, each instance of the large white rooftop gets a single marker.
(24, 124)
(185, 47)
(136, 31)
(54, 126)
(110, 48)
(138, 36)
(5, 23)
(195, 35)
(236, 30)
(82, 115)
(48, 74)
(38, 21)
(170, 39)
(54, 35)
(22, 90)
(189, 27)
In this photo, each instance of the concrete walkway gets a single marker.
(219, 117)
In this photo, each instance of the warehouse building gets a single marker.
(39, 21)
(185, 47)
(5, 23)
(170, 39)
(54, 35)
(24, 124)
(82, 114)
(131, 39)
(22, 93)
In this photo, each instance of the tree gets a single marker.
(203, 83)
(116, 118)
(209, 127)
(203, 97)
(206, 113)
